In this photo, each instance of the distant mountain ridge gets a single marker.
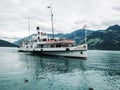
(4, 43)
(115, 27)
(108, 39)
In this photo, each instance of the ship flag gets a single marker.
(84, 27)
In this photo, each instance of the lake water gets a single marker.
(25, 71)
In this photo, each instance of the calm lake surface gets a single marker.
(25, 71)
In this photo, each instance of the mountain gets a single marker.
(115, 27)
(4, 43)
(19, 42)
(59, 35)
(108, 39)
(78, 35)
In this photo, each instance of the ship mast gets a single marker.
(51, 19)
(85, 36)
(29, 28)
(84, 28)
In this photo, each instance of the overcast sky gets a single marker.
(69, 15)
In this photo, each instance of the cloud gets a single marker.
(69, 15)
(116, 8)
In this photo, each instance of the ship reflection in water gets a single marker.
(55, 73)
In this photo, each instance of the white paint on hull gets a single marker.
(74, 52)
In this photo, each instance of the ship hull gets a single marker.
(65, 52)
(71, 54)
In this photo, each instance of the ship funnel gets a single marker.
(37, 28)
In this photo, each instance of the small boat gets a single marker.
(45, 45)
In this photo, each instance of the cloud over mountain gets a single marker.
(69, 15)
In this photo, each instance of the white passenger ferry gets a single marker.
(44, 45)
(60, 47)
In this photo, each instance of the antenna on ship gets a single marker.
(50, 6)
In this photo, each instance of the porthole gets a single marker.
(81, 52)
